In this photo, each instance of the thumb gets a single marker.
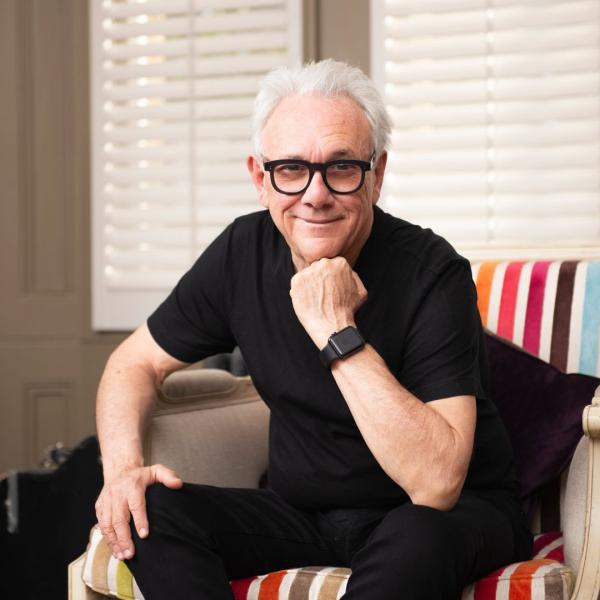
(166, 476)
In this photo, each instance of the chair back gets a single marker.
(551, 309)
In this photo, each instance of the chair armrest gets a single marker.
(77, 588)
(211, 428)
(588, 574)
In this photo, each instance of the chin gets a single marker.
(313, 254)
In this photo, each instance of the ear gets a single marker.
(257, 175)
(379, 173)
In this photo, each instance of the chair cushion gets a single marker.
(544, 577)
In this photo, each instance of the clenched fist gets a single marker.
(326, 296)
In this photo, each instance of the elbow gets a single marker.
(442, 503)
(439, 497)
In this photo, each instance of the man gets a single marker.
(385, 455)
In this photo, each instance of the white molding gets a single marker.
(96, 141)
(377, 27)
(295, 32)
(540, 252)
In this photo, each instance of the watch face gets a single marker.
(347, 340)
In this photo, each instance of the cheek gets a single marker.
(280, 216)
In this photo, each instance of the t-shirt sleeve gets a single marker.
(192, 323)
(442, 355)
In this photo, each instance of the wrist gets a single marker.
(341, 345)
(323, 330)
(113, 470)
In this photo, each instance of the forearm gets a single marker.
(126, 396)
(412, 442)
(424, 448)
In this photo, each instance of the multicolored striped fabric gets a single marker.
(307, 583)
(543, 578)
(105, 574)
(550, 309)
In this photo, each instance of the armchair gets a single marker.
(212, 427)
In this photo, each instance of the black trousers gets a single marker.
(203, 536)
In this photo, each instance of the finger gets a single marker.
(166, 476)
(98, 509)
(137, 507)
(360, 286)
(105, 523)
(120, 523)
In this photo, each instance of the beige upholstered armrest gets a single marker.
(210, 427)
(588, 572)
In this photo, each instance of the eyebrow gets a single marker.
(338, 154)
(343, 153)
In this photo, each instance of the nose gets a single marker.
(317, 194)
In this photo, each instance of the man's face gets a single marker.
(319, 223)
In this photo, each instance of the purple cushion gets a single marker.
(541, 408)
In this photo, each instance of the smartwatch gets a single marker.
(341, 344)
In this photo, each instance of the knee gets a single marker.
(413, 543)
(161, 500)
(189, 507)
(422, 532)
(161, 506)
(157, 494)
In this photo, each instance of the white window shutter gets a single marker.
(173, 83)
(496, 119)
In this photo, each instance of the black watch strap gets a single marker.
(341, 344)
(328, 355)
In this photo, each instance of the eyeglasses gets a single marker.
(293, 176)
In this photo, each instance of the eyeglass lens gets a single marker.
(293, 177)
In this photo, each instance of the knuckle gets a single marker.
(119, 522)
(137, 505)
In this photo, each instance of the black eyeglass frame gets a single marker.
(365, 166)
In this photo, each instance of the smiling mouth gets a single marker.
(319, 221)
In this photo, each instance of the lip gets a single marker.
(319, 221)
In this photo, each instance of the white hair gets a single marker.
(328, 78)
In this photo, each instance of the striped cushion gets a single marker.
(543, 578)
(549, 308)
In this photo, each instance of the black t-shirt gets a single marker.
(420, 316)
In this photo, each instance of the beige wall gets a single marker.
(338, 29)
(50, 360)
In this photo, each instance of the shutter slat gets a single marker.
(565, 38)
(198, 67)
(457, 92)
(210, 45)
(206, 87)
(147, 130)
(182, 110)
(580, 60)
(183, 26)
(531, 158)
(169, 7)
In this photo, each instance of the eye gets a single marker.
(343, 167)
(290, 170)
(292, 167)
